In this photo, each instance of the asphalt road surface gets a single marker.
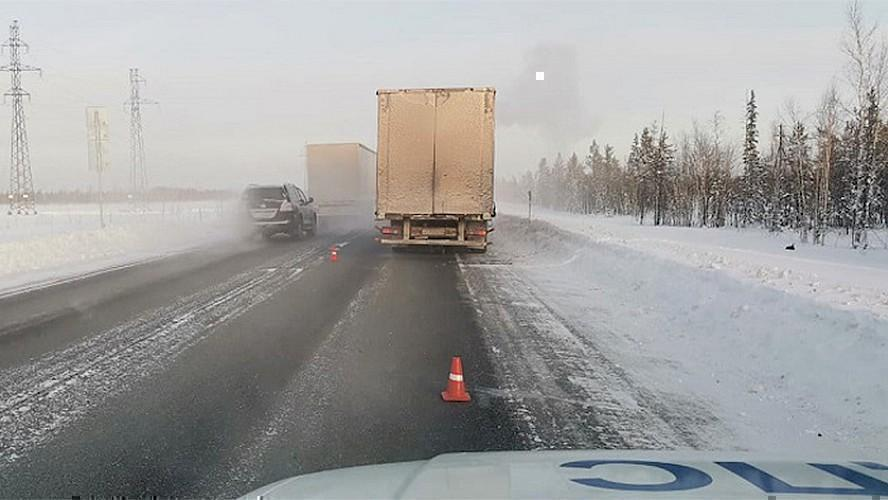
(214, 372)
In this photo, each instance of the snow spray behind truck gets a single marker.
(434, 171)
(340, 179)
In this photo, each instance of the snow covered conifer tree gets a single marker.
(865, 169)
(753, 170)
(802, 177)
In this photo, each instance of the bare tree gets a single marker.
(867, 54)
(827, 133)
(791, 112)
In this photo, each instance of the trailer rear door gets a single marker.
(406, 162)
(463, 152)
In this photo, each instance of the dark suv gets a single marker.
(280, 209)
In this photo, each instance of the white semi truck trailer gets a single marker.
(340, 177)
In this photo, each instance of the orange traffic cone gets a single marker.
(334, 253)
(456, 387)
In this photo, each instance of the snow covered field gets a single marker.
(67, 240)
(685, 338)
(832, 274)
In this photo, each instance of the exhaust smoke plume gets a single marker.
(553, 107)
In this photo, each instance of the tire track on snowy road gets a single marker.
(40, 398)
(564, 391)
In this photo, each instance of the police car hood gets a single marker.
(595, 474)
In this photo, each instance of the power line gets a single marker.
(138, 171)
(21, 181)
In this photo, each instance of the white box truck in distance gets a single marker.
(434, 169)
(340, 177)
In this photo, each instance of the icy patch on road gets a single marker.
(656, 353)
(40, 398)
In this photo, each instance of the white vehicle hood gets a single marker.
(595, 474)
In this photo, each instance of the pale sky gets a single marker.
(242, 86)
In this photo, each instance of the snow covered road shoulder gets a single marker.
(832, 274)
(651, 351)
(67, 240)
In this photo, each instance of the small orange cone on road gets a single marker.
(456, 386)
(334, 253)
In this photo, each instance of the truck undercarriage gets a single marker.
(469, 231)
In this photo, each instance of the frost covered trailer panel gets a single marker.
(436, 149)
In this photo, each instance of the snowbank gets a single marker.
(778, 371)
(833, 274)
(67, 240)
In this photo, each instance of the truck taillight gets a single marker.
(390, 230)
(478, 231)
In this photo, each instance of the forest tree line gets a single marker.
(821, 172)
